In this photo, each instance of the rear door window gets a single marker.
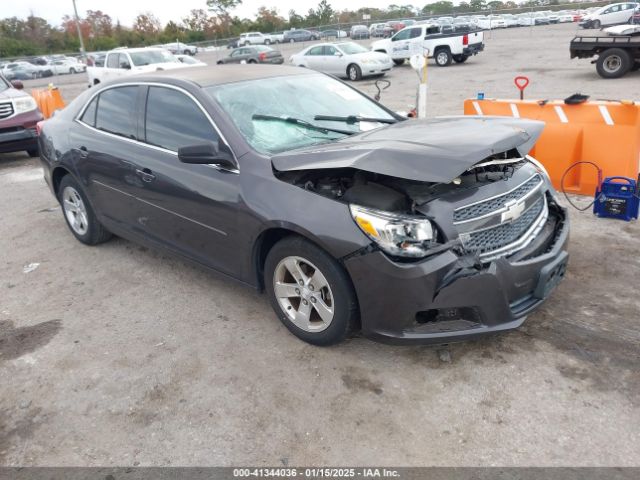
(174, 120)
(116, 111)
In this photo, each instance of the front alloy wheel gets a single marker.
(303, 294)
(310, 292)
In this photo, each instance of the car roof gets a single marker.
(221, 74)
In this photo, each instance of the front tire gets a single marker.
(596, 24)
(267, 42)
(354, 72)
(79, 215)
(72, 71)
(310, 292)
(614, 63)
(398, 61)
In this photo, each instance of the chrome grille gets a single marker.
(6, 109)
(485, 207)
(495, 238)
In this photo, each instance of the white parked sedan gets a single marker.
(67, 65)
(345, 59)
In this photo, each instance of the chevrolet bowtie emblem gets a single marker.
(514, 210)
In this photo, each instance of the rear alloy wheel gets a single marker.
(613, 63)
(443, 57)
(78, 213)
(310, 292)
(354, 72)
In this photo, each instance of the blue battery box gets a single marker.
(617, 197)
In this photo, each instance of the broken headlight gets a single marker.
(401, 235)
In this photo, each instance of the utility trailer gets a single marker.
(618, 53)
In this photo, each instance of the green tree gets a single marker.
(438, 8)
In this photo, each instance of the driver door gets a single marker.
(400, 44)
(335, 61)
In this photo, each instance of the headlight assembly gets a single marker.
(24, 104)
(400, 235)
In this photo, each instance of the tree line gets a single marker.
(35, 36)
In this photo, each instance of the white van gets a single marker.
(613, 14)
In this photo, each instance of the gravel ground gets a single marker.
(119, 355)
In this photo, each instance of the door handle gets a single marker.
(146, 174)
(84, 152)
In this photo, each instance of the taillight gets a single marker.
(39, 127)
(262, 56)
(465, 40)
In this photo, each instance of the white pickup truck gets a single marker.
(428, 38)
(129, 61)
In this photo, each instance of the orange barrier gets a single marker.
(605, 133)
(48, 99)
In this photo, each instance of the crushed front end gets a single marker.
(501, 250)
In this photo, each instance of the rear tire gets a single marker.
(443, 57)
(87, 229)
(354, 72)
(33, 152)
(251, 60)
(72, 71)
(267, 42)
(614, 63)
(398, 61)
(596, 24)
(460, 58)
(333, 293)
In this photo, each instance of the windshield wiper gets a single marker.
(351, 119)
(301, 123)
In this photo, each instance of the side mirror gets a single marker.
(338, 54)
(17, 84)
(211, 153)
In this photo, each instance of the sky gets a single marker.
(165, 10)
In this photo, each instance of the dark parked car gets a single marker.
(292, 36)
(359, 32)
(19, 116)
(255, 54)
(416, 231)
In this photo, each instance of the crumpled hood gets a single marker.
(435, 150)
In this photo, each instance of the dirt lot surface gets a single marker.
(118, 355)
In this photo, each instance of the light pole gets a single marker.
(75, 11)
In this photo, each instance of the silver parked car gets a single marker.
(345, 59)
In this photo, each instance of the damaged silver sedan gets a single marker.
(351, 218)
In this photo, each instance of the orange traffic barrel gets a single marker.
(605, 133)
(48, 100)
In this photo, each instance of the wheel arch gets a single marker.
(265, 241)
(57, 175)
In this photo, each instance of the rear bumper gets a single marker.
(19, 132)
(442, 299)
(473, 49)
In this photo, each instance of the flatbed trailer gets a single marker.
(617, 54)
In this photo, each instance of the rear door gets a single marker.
(104, 149)
(190, 208)
(314, 58)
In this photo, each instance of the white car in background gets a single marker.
(122, 62)
(346, 60)
(189, 60)
(254, 38)
(565, 17)
(614, 14)
(67, 65)
(510, 20)
(179, 48)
